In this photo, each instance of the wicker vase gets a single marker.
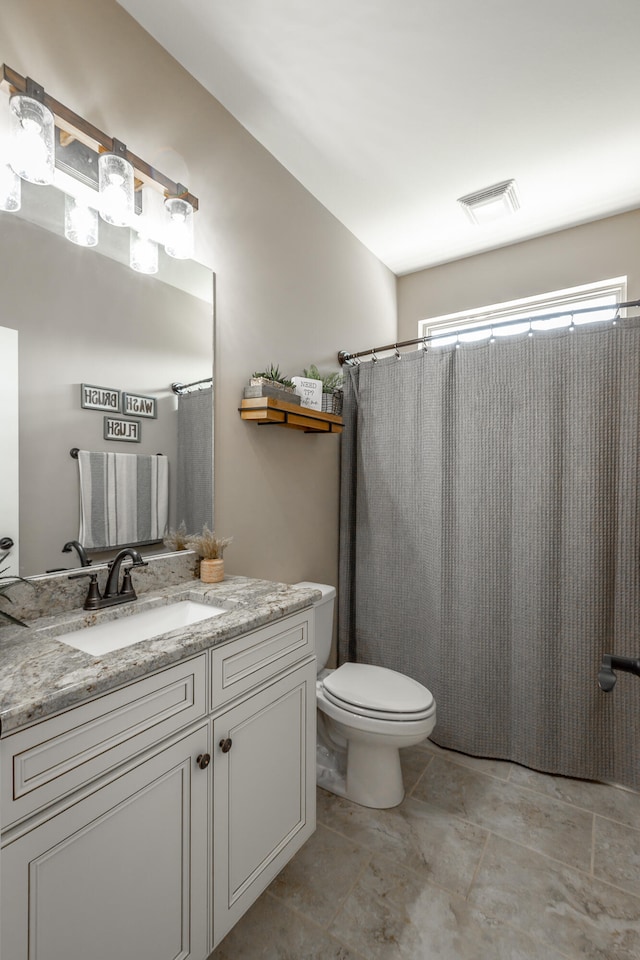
(211, 571)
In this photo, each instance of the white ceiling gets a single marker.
(389, 110)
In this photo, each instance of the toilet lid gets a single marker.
(377, 692)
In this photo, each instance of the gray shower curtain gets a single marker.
(194, 475)
(489, 541)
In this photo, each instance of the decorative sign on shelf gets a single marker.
(136, 405)
(99, 398)
(117, 429)
(310, 392)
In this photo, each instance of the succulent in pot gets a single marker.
(272, 376)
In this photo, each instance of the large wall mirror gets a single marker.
(83, 316)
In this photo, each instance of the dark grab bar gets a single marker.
(607, 678)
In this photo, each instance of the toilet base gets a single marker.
(374, 775)
(368, 775)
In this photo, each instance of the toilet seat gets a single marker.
(377, 692)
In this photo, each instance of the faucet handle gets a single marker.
(126, 589)
(93, 598)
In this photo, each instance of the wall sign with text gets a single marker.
(115, 428)
(99, 398)
(135, 405)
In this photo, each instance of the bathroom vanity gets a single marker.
(150, 794)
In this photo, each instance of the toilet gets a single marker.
(365, 715)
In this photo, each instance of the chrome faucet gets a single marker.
(112, 595)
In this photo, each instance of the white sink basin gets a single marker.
(116, 634)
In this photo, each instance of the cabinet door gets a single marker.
(122, 873)
(263, 790)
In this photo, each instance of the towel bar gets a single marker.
(76, 450)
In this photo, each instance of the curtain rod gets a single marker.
(345, 357)
(181, 388)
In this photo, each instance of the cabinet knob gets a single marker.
(225, 745)
(203, 760)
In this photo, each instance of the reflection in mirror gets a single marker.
(82, 316)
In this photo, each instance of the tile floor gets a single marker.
(483, 860)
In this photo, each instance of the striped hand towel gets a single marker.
(124, 498)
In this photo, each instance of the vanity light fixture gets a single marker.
(147, 230)
(10, 182)
(31, 152)
(10, 189)
(143, 253)
(115, 183)
(179, 229)
(107, 166)
(80, 222)
(491, 203)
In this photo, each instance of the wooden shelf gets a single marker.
(268, 410)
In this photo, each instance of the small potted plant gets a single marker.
(331, 392)
(6, 582)
(177, 539)
(210, 549)
(271, 383)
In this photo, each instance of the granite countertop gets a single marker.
(40, 675)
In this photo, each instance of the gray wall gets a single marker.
(595, 251)
(293, 285)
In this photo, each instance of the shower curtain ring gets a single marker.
(424, 344)
(397, 352)
(374, 358)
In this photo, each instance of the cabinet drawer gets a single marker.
(54, 757)
(241, 664)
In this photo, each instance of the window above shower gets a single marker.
(547, 311)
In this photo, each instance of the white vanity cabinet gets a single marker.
(264, 760)
(120, 873)
(104, 817)
(143, 823)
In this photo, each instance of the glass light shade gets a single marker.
(10, 183)
(115, 183)
(153, 213)
(10, 189)
(179, 232)
(80, 222)
(143, 253)
(32, 151)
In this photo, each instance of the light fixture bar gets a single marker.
(75, 126)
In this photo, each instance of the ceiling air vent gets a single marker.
(492, 202)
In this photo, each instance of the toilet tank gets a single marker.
(323, 618)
